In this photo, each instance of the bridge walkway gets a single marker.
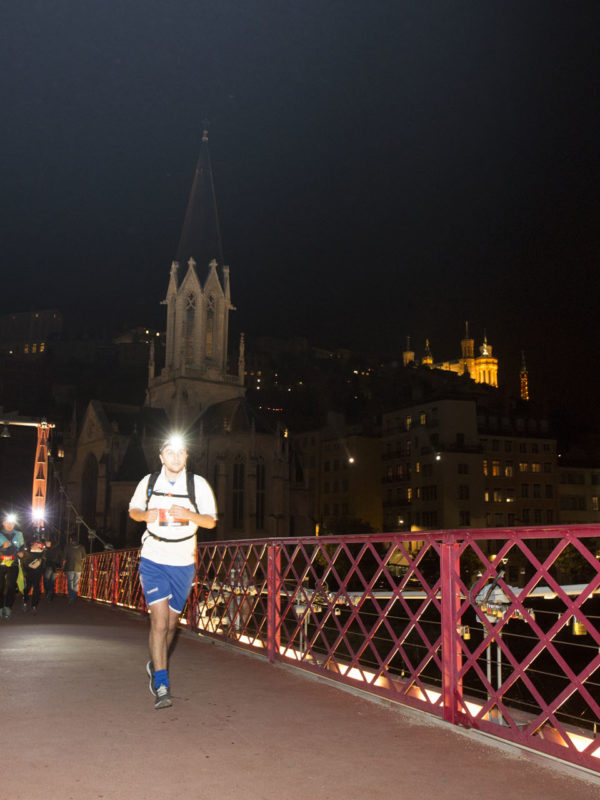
(78, 723)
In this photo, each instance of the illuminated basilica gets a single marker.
(482, 368)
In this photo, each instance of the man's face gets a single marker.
(8, 525)
(174, 458)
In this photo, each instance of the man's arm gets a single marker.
(201, 520)
(139, 502)
(139, 515)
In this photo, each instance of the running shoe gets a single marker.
(150, 673)
(163, 697)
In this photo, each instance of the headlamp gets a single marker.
(175, 442)
(10, 518)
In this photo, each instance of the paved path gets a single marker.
(78, 723)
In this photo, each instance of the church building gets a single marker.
(482, 368)
(254, 471)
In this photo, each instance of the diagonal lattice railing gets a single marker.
(496, 629)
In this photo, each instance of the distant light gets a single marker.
(351, 460)
(438, 456)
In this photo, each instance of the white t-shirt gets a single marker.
(174, 553)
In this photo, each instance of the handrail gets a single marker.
(494, 629)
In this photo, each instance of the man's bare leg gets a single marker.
(163, 625)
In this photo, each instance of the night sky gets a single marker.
(382, 168)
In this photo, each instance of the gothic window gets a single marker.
(188, 338)
(210, 325)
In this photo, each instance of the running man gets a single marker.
(173, 505)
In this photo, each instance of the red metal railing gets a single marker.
(495, 629)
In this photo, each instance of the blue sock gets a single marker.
(161, 678)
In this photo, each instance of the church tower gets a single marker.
(467, 348)
(408, 355)
(198, 303)
(524, 378)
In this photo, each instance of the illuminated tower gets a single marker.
(467, 348)
(427, 359)
(408, 355)
(486, 365)
(524, 378)
(198, 304)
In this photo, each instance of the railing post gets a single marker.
(93, 578)
(451, 651)
(273, 601)
(116, 578)
(192, 606)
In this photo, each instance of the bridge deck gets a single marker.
(78, 723)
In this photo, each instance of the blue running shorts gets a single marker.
(164, 582)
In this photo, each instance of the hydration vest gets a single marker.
(191, 494)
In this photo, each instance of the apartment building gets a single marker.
(452, 463)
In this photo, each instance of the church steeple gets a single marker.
(195, 375)
(467, 344)
(201, 233)
(428, 357)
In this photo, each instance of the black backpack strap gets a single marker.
(150, 488)
(171, 541)
(191, 487)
